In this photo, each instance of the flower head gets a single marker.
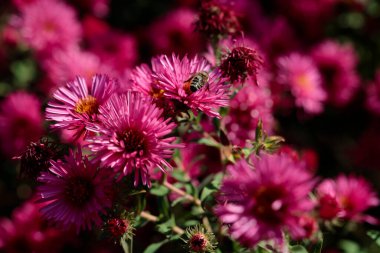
(199, 240)
(133, 136)
(74, 106)
(60, 67)
(27, 231)
(347, 197)
(37, 158)
(337, 65)
(48, 25)
(191, 82)
(262, 202)
(302, 77)
(21, 122)
(75, 192)
(240, 63)
(250, 104)
(217, 20)
(118, 227)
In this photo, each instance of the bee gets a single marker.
(195, 82)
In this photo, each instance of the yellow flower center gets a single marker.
(87, 105)
(157, 93)
(303, 81)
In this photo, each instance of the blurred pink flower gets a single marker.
(49, 25)
(200, 160)
(346, 197)
(75, 192)
(175, 33)
(21, 122)
(98, 8)
(337, 65)
(114, 48)
(60, 68)
(176, 77)
(133, 136)
(300, 74)
(250, 104)
(23, 4)
(278, 38)
(74, 106)
(28, 232)
(264, 200)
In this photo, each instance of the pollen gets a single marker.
(88, 105)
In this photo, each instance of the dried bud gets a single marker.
(216, 20)
(198, 240)
(119, 227)
(37, 158)
(241, 63)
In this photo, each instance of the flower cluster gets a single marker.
(210, 126)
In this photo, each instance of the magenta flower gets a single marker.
(74, 106)
(302, 77)
(27, 231)
(262, 202)
(75, 192)
(133, 136)
(60, 68)
(250, 104)
(48, 25)
(337, 64)
(21, 122)
(192, 83)
(347, 197)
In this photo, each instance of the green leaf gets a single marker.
(24, 72)
(209, 142)
(375, 235)
(190, 223)
(206, 192)
(180, 175)
(155, 246)
(216, 182)
(177, 201)
(159, 190)
(297, 249)
(349, 246)
(166, 227)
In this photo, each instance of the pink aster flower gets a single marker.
(263, 201)
(27, 231)
(74, 105)
(21, 122)
(337, 65)
(142, 80)
(133, 136)
(302, 77)
(347, 197)
(60, 68)
(373, 95)
(48, 25)
(75, 192)
(192, 83)
(251, 104)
